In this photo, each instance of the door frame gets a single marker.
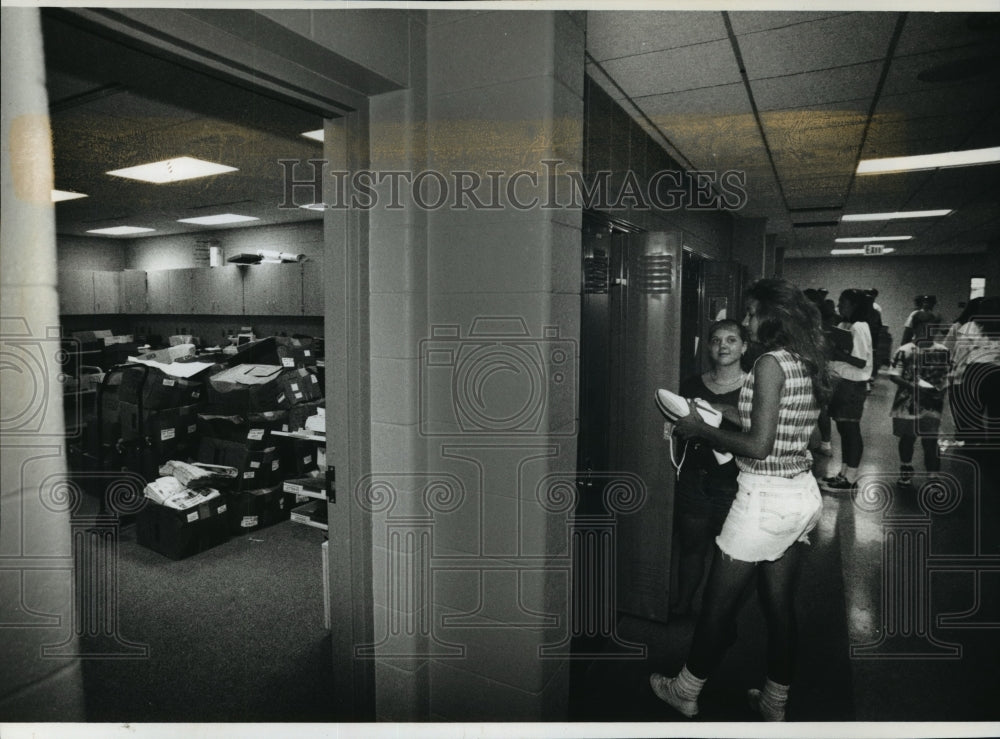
(188, 38)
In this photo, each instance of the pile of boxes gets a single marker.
(226, 415)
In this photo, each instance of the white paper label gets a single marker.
(196, 393)
(167, 434)
(254, 464)
(291, 487)
(287, 362)
(281, 398)
(192, 428)
(295, 387)
(306, 353)
(222, 508)
(298, 396)
(248, 522)
(314, 378)
(256, 434)
(169, 382)
(192, 516)
(248, 475)
(307, 459)
(275, 465)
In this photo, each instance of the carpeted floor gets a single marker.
(234, 634)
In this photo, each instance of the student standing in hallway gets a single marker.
(778, 502)
(706, 488)
(852, 371)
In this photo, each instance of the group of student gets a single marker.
(779, 378)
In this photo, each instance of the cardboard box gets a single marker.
(295, 353)
(298, 386)
(256, 468)
(156, 389)
(250, 510)
(247, 387)
(178, 534)
(252, 429)
(298, 457)
(298, 414)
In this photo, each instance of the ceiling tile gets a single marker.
(832, 42)
(751, 22)
(611, 35)
(925, 31)
(854, 82)
(718, 100)
(661, 72)
(967, 65)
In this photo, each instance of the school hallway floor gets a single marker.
(898, 606)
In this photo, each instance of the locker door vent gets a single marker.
(595, 273)
(656, 273)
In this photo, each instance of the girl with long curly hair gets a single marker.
(778, 502)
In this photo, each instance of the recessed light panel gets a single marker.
(172, 170)
(314, 206)
(896, 215)
(316, 135)
(930, 161)
(219, 219)
(59, 195)
(120, 230)
(866, 239)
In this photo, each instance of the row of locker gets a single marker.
(264, 289)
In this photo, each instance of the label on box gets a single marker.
(192, 516)
(196, 394)
(275, 465)
(256, 434)
(291, 487)
(281, 398)
(307, 459)
(168, 382)
(294, 386)
(306, 353)
(248, 522)
(287, 362)
(314, 378)
(248, 475)
(222, 508)
(167, 434)
(254, 464)
(192, 428)
(298, 396)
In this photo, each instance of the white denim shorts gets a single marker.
(768, 515)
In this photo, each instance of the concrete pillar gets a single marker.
(36, 566)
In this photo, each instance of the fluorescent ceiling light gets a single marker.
(930, 161)
(218, 219)
(314, 206)
(60, 195)
(120, 230)
(896, 215)
(172, 170)
(866, 239)
(316, 135)
(843, 252)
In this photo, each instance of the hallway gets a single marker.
(899, 612)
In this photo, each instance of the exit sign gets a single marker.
(874, 249)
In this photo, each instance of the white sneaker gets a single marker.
(663, 687)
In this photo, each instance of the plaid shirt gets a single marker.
(798, 412)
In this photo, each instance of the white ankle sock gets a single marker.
(851, 473)
(687, 686)
(770, 702)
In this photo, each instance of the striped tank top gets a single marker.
(797, 415)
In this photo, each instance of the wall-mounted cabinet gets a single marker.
(257, 290)
(133, 291)
(273, 290)
(89, 292)
(217, 291)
